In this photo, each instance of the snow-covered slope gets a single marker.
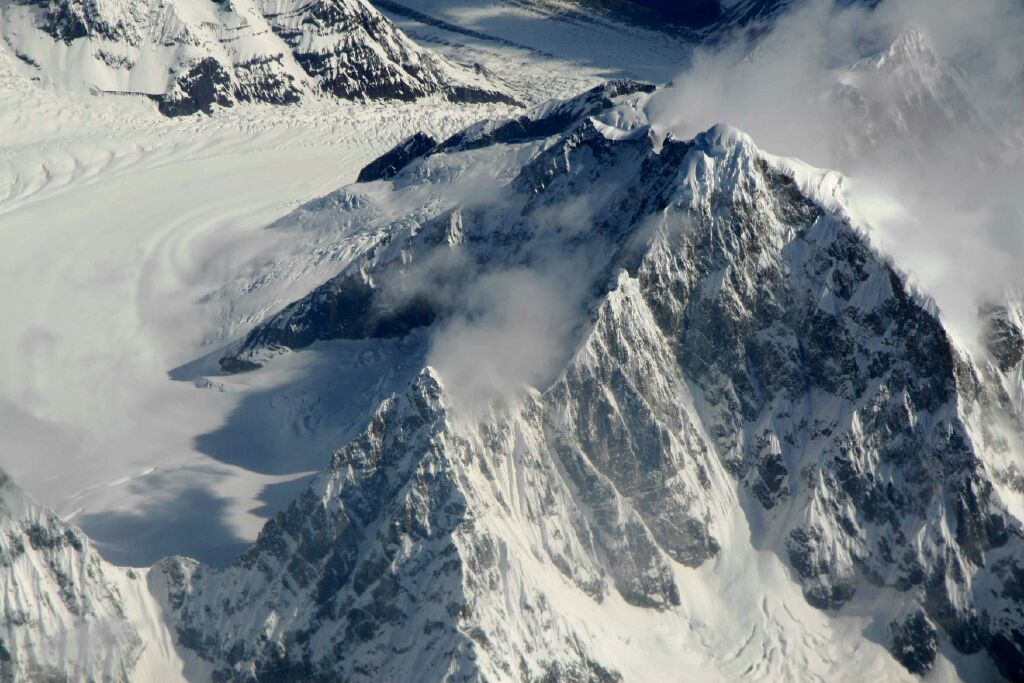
(67, 614)
(190, 55)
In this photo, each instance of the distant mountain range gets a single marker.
(192, 55)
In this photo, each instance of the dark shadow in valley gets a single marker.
(181, 517)
(314, 402)
(276, 497)
(307, 405)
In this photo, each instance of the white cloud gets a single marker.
(949, 178)
(513, 333)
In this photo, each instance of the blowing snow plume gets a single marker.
(918, 103)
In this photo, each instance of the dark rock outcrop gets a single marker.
(388, 165)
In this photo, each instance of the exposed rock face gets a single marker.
(206, 84)
(193, 55)
(1004, 335)
(394, 160)
(914, 643)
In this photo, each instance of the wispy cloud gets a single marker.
(512, 334)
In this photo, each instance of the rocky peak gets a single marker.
(1004, 334)
(911, 100)
(743, 332)
(911, 46)
(57, 590)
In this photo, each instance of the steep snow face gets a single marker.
(191, 55)
(67, 614)
(743, 359)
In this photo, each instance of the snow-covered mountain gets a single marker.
(67, 614)
(740, 442)
(746, 353)
(190, 55)
(907, 96)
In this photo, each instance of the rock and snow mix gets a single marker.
(192, 55)
(749, 444)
